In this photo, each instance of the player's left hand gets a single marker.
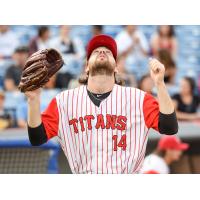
(157, 71)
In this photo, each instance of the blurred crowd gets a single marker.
(135, 46)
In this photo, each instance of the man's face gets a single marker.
(185, 87)
(131, 28)
(46, 35)
(174, 154)
(64, 30)
(101, 62)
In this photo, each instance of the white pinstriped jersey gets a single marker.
(110, 138)
(154, 164)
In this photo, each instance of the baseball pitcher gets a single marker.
(101, 126)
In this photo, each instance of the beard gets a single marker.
(102, 68)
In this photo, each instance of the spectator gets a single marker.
(187, 102)
(170, 71)
(41, 41)
(13, 73)
(127, 77)
(169, 150)
(21, 114)
(170, 66)
(133, 48)
(5, 118)
(146, 84)
(164, 39)
(13, 98)
(73, 53)
(8, 42)
(97, 30)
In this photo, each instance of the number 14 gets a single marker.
(121, 143)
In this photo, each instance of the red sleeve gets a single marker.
(151, 111)
(50, 119)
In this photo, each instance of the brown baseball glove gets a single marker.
(39, 67)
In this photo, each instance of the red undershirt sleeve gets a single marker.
(151, 111)
(50, 119)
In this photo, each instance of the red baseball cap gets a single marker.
(102, 41)
(172, 142)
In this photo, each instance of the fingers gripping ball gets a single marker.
(39, 67)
